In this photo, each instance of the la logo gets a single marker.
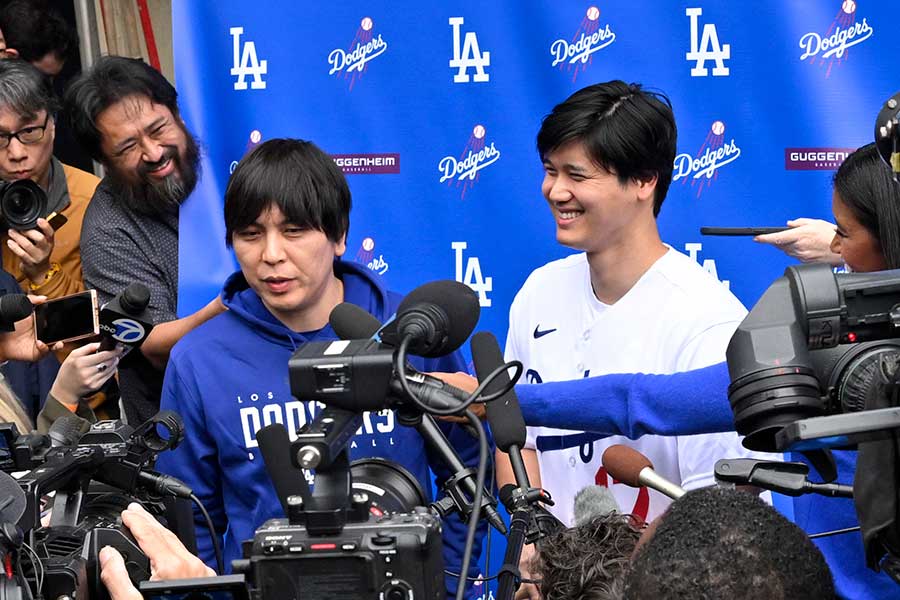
(246, 63)
(708, 47)
(470, 55)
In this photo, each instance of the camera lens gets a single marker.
(22, 203)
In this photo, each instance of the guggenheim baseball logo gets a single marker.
(831, 48)
(589, 38)
(476, 156)
(714, 154)
(364, 47)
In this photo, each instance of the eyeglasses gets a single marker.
(26, 135)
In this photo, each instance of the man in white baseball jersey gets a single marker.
(627, 303)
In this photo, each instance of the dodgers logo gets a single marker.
(467, 56)
(831, 48)
(365, 46)
(246, 62)
(706, 47)
(128, 331)
(366, 256)
(475, 156)
(714, 154)
(590, 37)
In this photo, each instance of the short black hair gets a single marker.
(724, 543)
(297, 177)
(111, 80)
(625, 130)
(25, 90)
(34, 30)
(865, 184)
(586, 562)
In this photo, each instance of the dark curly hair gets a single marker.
(586, 562)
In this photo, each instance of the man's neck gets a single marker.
(616, 268)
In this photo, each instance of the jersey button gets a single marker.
(587, 335)
(579, 367)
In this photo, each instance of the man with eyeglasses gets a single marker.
(44, 262)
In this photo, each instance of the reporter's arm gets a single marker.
(808, 240)
(633, 404)
(164, 336)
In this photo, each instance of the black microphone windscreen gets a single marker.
(135, 299)
(505, 494)
(594, 501)
(350, 322)
(67, 430)
(275, 446)
(457, 301)
(14, 307)
(504, 414)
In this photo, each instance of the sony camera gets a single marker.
(22, 203)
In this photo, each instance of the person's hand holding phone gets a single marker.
(83, 372)
(21, 343)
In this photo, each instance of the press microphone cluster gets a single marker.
(125, 321)
(634, 469)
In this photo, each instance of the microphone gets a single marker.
(437, 318)
(633, 468)
(594, 501)
(544, 524)
(351, 322)
(164, 484)
(125, 320)
(275, 446)
(13, 307)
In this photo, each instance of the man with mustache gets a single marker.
(126, 116)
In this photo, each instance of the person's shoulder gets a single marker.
(695, 287)
(556, 273)
(201, 340)
(80, 183)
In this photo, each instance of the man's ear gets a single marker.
(341, 246)
(647, 187)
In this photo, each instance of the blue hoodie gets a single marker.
(229, 377)
(636, 404)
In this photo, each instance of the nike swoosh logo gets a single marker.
(539, 334)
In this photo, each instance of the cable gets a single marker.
(38, 569)
(220, 565)
(476, 501)
(813, 536)
(400, 367)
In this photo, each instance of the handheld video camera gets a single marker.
(94, 476)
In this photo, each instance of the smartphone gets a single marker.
(68, 318)
(740, 230)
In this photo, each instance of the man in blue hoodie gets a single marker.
(287, 212)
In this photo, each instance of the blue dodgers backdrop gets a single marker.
(432, 110)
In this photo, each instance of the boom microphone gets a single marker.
(125, 320)
(633, 468)
(13, 307)
(436, 317)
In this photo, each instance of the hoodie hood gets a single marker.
(361, 287)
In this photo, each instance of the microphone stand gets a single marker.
(463, 477)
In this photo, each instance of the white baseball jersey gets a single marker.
(677, 317)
